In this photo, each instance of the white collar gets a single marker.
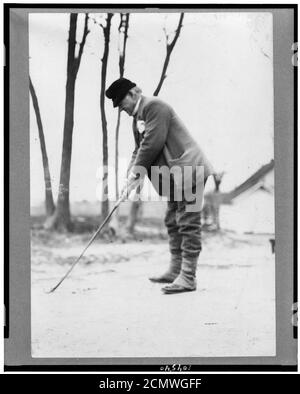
(136, 106)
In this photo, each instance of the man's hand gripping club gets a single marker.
(131, 183)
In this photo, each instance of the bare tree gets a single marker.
(49, 203)
(106, 34)
(137, 205)
(123, 35)
(61, 219)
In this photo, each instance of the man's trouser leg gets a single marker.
(189, 227)
(175, 240)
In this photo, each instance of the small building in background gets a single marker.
(249, 208)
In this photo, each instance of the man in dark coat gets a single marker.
(162, 142)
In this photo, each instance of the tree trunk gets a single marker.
(105, 200)
(61, 220)
(123, 35)
(49, 203)
(62, 217)
(117, 155)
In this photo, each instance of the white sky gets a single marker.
(220, 82)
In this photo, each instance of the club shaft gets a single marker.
(89, 243)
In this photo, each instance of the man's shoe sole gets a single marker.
(161, 280)
(176, 289)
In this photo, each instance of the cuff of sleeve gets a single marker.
(133, 176)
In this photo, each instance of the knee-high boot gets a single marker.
(172, 272)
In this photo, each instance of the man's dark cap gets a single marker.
(118, 90)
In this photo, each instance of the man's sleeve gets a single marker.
(157, 120)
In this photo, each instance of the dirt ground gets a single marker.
(109, 308)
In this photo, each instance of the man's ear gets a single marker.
(130, 94)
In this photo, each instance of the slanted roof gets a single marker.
(248, 183)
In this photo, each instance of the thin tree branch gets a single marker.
(166, 35)
(169, 49)
(81, 46)
(177, 32)
(96, 22)
(121, 23)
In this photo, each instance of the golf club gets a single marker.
(91, 240)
